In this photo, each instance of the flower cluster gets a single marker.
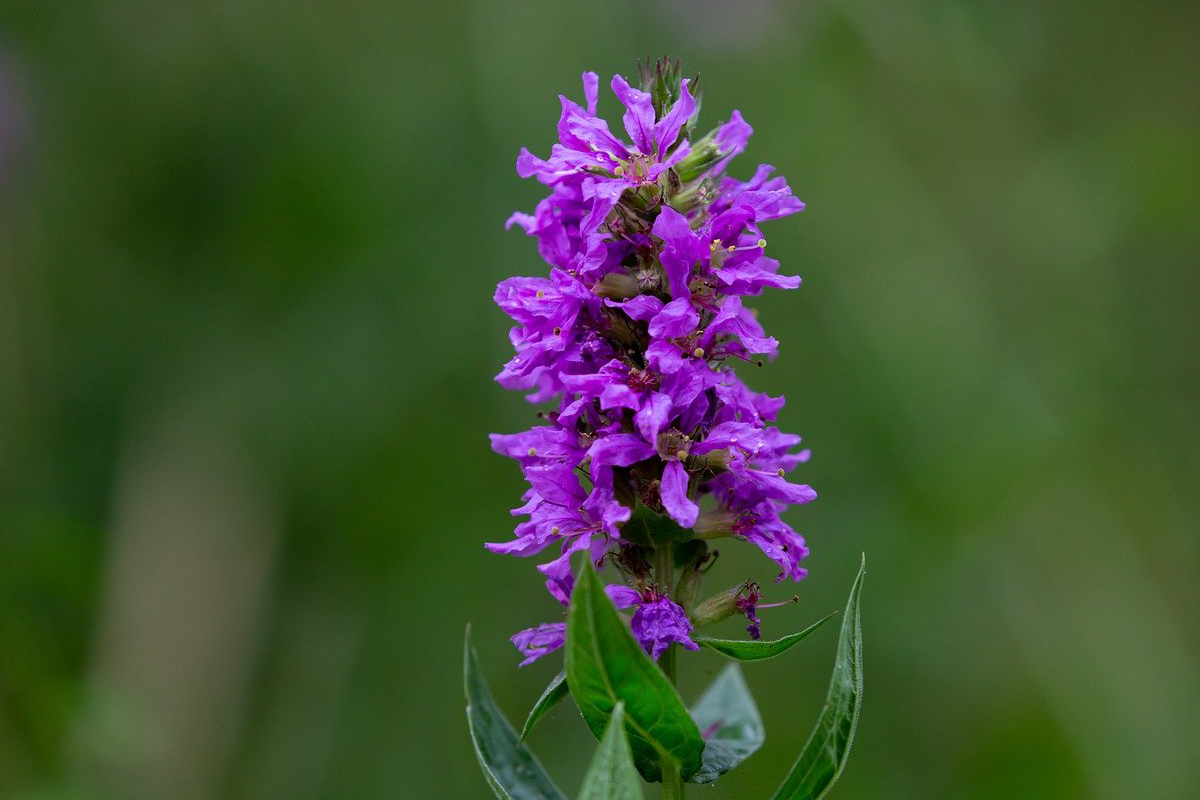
(632, 338)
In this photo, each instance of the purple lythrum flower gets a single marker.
(649, 443)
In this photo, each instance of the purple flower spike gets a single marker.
(631, 337)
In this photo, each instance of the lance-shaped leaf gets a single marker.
(757, 650)
(612, 775)
(509, 767)
(605, 665)
(729, 721)
(825, 753)
(555, 692)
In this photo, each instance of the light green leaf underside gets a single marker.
(727, 710)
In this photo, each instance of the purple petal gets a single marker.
(653, 416)
(674, 493)
(542, 640)
(732, 137)
(639, 114)
(591, 91)
(622, 596)
(618, 450)
(664, 357)
(683, 249)
(677, 318)
(642, 307)
(658, 624)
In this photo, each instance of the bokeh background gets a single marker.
(247, 253)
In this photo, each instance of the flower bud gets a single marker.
(704, 154)
(716, 460)
(693, 555)
(722, 605)
(713, 524)
(661, 79)
(616, 286)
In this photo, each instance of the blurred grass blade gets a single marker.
(727, 713)
(612, 775)
(510, 768)
(758, 650)
(605, 665)
(555, 692)
(824, 755)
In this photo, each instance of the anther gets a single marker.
(762, 242)
(557, 330)
(540, 294)
(554, 531)
(698, 352)
(779, 472)
(532, 451)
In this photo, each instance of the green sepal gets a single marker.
(727, 712)
(824, 755)
(605, 665)
(511, 769)
(752, 650)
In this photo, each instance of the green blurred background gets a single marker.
(247, 253)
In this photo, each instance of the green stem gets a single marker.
(664, 573)
(667, 662)
(672, 785)
(664, 567)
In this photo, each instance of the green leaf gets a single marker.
(727, 713)
(758, 650)
(509, 767)
(824, 755)
(612, 775)
(606, 665)
(556, 691)
(650, 529)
